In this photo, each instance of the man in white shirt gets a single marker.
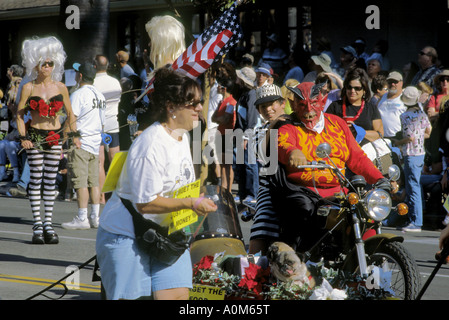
(112, 91)
(88, 106)
(391, 106)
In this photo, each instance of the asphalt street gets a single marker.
(26, 269)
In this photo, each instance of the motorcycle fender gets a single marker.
(373, 242)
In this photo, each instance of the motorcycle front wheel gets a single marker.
(398, 271)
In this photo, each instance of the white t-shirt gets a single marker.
(390, 110)
(88, 105)
(156, 165)
(112, 91)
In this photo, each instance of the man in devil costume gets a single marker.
(295, 192)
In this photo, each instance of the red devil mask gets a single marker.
(309, 102)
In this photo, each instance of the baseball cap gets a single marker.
(265, 68)
(394, 75)
(267, 93)
(87, 69)
(350, 50)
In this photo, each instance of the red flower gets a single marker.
(254, 277)
(52, 112)
(43, 108)
(56, 105)
(205, 263)
(52, 138)
(33, 104)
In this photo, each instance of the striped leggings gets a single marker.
(266, 223)
(44, 165)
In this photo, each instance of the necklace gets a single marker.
(170, 130)
(353, 118)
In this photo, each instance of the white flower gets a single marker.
(326, 292)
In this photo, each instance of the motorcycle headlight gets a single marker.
(378, 203)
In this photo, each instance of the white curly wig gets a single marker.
(36, 50)
(167, 40)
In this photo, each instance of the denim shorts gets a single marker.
(129, 273)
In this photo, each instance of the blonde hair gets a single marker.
(167, 40)
(287, 94)
(36, 50)
(424, 87)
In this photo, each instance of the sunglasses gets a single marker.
(194, 103)
(48, 64)
(422, 53)
(349, 88)
(392, 81)
(442, 79)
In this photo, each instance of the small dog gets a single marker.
(287, 266)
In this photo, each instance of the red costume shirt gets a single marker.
(345, 152)
(225, 107)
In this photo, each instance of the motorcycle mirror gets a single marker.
(394, 172)
(323, 150)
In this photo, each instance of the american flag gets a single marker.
(211, 45)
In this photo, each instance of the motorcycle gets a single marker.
(347, 234)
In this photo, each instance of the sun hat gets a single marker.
(444, 73)
(324, 61)
(410, 96)
(247, 75)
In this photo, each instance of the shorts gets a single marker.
(115, 141)
(129, 273)
(83, 169)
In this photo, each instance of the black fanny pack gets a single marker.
(155, 240)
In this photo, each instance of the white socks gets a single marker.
(95, 212)
(82, 213)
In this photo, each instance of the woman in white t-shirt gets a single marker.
(158, 162)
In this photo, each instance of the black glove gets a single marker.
(383, 184)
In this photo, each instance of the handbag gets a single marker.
(381, 155)
(155, 240)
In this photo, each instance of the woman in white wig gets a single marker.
(44, 97)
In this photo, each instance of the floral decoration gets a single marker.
(257, 283)
(40, 141)
(47, 110)
(52, 138)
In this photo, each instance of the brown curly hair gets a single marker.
(170, 87)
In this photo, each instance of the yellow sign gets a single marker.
(446, 204)
(182, 218)
(199, 292)
(115, 169)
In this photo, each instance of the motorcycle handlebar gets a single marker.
(314, 165)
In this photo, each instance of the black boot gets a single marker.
(50, 235)
(38, 237)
